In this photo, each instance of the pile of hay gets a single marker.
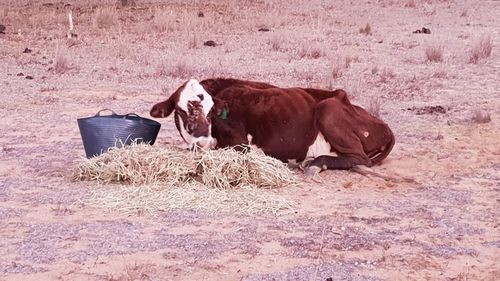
(142, 164)
(160, 178)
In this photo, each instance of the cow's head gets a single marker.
(192, 105)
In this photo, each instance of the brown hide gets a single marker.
(284, 122)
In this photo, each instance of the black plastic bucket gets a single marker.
(101, 132)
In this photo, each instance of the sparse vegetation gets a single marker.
(180, 69)
(105, 18)
(410, 4)
(341, 64)
(61, 61)
(434, 53)
(374, 106)
(338, 69)
(386, 75)
(481, 50)
(441, 73)
(481, 116)
(367, 30)
(193, 42)
(443, 115)
(276, 42)
(311, 52)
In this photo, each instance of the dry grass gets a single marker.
(386, 75)
(170, 178)
(367, 30)
(481, 116)
(341, 64)
(163, 21)
(152, 199)
(277, 42)
(410, 4)
(61, 62)
(310, 52)
(105, 18)
(434, 53)
(141, 164)
(181, 69)
(481, 50)
(374, 107)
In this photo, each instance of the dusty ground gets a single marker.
(349, 227)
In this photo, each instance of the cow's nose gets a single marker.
(207, 143)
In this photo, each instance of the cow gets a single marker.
(317, 126)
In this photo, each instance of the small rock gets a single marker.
(210, 43)
(27, 51)
(264, 29)
(29, 77)
(2, 29)
(201, 15)
(424, 30)
(20, 74)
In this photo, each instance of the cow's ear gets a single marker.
(163, 109)
(219, 106)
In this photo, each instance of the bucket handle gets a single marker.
(134, 115)
(106, 109)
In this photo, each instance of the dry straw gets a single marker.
(153, 179)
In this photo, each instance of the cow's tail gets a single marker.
(366, 171)
(380, 155)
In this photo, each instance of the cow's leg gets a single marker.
(334, 123)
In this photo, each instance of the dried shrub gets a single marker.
(193, 42)
(341, 64)
(337, 70)
(276, 42)
(61, 61)
(311, 52)
(434, 53)
(105, 18)
(481, 116)
(163, 21)
(374, 107)
(367, 30)
(440, 74)
(180, 69)
(125, 3)
(481, 50)
(410, 4)
(386, 75)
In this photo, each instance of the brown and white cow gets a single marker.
(286, 123)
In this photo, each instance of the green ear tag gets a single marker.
(223, 116)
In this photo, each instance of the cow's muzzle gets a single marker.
(206, 143)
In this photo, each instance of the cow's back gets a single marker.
(280, 121)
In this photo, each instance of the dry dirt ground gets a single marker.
(345, 227)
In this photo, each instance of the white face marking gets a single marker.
(203, 142)
(194, 91)
(320, 147)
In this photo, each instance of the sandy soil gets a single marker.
(345, 227)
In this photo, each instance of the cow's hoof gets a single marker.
(312, 171)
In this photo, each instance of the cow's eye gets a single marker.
(201, 97)
(191, 127)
